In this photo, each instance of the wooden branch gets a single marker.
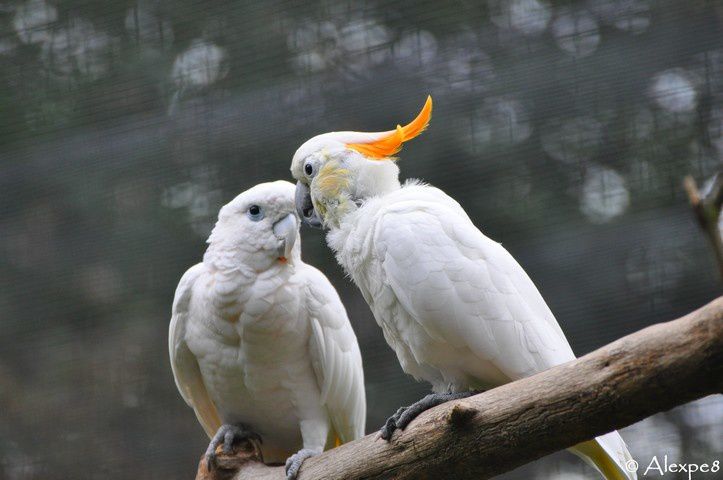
(649, 371)
(707, 210)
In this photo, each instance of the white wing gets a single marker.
(336, 358)
(185, 367)
(466, 290)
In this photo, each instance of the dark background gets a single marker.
(563, 128)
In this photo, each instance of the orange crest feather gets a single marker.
(392, 143)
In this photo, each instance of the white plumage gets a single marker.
(426, 271)
(260, 338)
(455, 306)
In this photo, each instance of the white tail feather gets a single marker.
(608, 455)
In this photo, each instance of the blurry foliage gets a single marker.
(564, 128)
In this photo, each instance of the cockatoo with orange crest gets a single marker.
(455, 306)
(260, 343)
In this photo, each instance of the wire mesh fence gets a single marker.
(563, 128)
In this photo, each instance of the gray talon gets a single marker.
(404, 415)
(226, 436)
(293, 463)
(391, 424)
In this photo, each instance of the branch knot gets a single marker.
(461, 414)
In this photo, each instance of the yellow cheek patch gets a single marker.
(391, 143)
(331, 180)
(321, 210)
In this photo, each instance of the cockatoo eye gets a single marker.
(308, 169)
(255, 213)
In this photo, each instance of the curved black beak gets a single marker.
(305, 208)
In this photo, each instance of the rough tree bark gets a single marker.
(649, 371)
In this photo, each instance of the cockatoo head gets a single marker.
(258, 228)
(337, 171)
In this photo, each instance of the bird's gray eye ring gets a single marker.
(255, 213)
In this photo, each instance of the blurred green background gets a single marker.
(564, 128)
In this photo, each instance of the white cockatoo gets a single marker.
(455, 306)
(260, 343)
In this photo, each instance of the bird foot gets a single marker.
(226, 436)
(293, 463)
(405, 415)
